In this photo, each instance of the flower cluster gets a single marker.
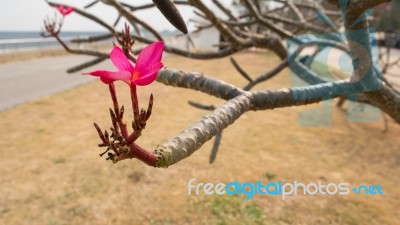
(120, 144)
(53, 26)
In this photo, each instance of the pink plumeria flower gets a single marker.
(65, 11)
(144, 73)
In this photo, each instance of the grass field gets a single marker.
(51, 173)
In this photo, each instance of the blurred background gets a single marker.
(51, 172)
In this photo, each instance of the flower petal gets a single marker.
(120, 61)
(63, 10)
(109, 76)
(149, 75)
(150, 55)
(68, 11)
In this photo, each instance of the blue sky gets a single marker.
(28, 15)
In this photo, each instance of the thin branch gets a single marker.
(240, 70)
(223, 29)
(151, 5)
(91, 4)
(225, 10)
(280, 31)
(296, 10)
(268, 75)
(201, 106)
(300, 25)
(87, 64)
(87, 15)
(133, 19)
(80, 51)
(193, 55)
(215, 147)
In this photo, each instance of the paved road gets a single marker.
(27, 80)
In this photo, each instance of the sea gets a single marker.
(12, 41)
(18, 41)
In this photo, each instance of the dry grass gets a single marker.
(52, 174)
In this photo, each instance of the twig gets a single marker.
(201, 106)
(86, 64)
(215, 147)
(240, 70)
